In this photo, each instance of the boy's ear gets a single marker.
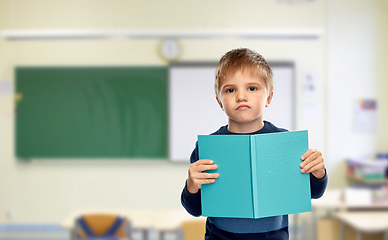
(269, 99)
(219, 103)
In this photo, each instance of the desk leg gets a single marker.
(178, 234)
(161, 235)
(386, 235)
(72, 234)
(145, 234)
(359, 236)
(315, 224)
(295, 231)
(342, 231)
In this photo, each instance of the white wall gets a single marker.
(46, 190)
(356, 70)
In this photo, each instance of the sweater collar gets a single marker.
(265, 129)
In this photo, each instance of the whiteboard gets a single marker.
(193, 109)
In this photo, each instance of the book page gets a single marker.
(231, 194)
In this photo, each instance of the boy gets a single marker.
(244, 87)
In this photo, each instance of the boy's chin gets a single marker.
(247, 121)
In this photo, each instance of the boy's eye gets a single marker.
(230, 90)
(252, 88)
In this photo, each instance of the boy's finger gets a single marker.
(202, 168)
(308, 166)
(207, 181)
(313, 168)
(316, 167)
(307, 154)
(314, 155)
(308, 163)
(210, 175)
(205, 178)
(204, 162)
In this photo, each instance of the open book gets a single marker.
(259, 175)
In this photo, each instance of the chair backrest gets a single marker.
(193, 229)
(90, 225)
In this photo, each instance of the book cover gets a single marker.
(259, 175)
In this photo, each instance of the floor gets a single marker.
(55, 232)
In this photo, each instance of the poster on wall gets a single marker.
(365, 116)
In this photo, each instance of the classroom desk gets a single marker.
(331, 200)
(368, 222)
(368, 218)
(162, 220)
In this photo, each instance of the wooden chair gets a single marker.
(111, 226)
(193, 229)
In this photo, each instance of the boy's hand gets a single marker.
(197, 177)
(313, 163)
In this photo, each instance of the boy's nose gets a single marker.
(241, 97)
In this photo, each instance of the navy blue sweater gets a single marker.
(235, 227)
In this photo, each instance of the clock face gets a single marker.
(170, 49)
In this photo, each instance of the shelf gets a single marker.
(361, 180)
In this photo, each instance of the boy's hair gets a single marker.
(243, 59)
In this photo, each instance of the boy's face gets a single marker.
(243, 96)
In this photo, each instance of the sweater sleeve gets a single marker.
(318, 186)
(192, 202)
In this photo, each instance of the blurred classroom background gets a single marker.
(339, 55)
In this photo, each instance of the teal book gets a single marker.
(259, 175)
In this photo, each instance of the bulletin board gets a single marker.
(194, 110)
(91, 112)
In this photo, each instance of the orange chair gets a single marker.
(193, 229)
(91, 226)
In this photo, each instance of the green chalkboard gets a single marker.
(91, 112)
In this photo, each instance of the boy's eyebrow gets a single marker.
(233, 85)
(252, 83)
(227, 85)
(249, 83)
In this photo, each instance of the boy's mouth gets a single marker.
(242, 107)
